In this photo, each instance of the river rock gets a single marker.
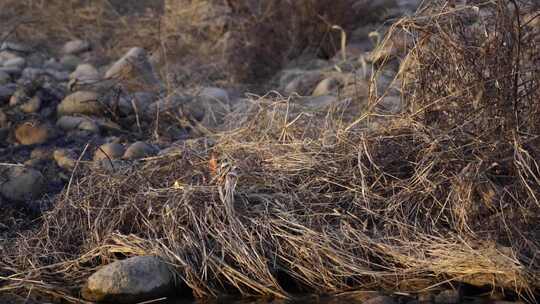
(15, 47)
(19, 97)
(81, 102)
(33, 133)
(6, 91)
(4, 78)
(75, 47)
(17, 62)
(448, 297)
(132, 280)
(109, 151)
(71, 123)
(65, 158)
(381, 300)
(70, 62)
(139, 150)
(31, 106)
(6, 55)
(138, 102)
(3, 120)
(327, 86)
(85, 72)
(23, 184)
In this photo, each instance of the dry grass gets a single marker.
(445, 193)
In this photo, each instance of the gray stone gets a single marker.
(33, 73)
(15, 47)
(75, 47)
(6, 91)
(65, 159)
(70, 62)
(71, 123)
(132, 280)
(6, 55)
(14, 72)
(61, 76)
(17, 62)
(380, 300)
(85, 72)
(4, 78)
(89, 126)
(139, 150)
(41, 153)
(109, 151)
(3, 120)
(23, 184)
(52, 63)
(81, 102)
(138, 102)
(19, 97)
(448, 297)
(31, 106)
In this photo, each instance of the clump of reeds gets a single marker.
(444, 193)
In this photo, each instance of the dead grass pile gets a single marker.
(291, 196)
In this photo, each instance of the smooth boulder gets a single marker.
(132, 280)
(33, 133)
(81, 102)
(139, 150)
(23, 184)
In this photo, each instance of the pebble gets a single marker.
(4, 78)
(71, 123)
(133, 280)
(3, 120)
(33, 73)
(6, 55)
(85, 72)
(41, 153)
(65, 158)
(448, 297)
(31, 106)
(11, 71)
(109, 151)
(139, 101)
(33, 133)
(19, 97)
(380, 300)
(6, 91)
(16, 47)
(75, 47)
(139, 150)
(70, 62)
(17, 62)
(81, 102)
(23, 184)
